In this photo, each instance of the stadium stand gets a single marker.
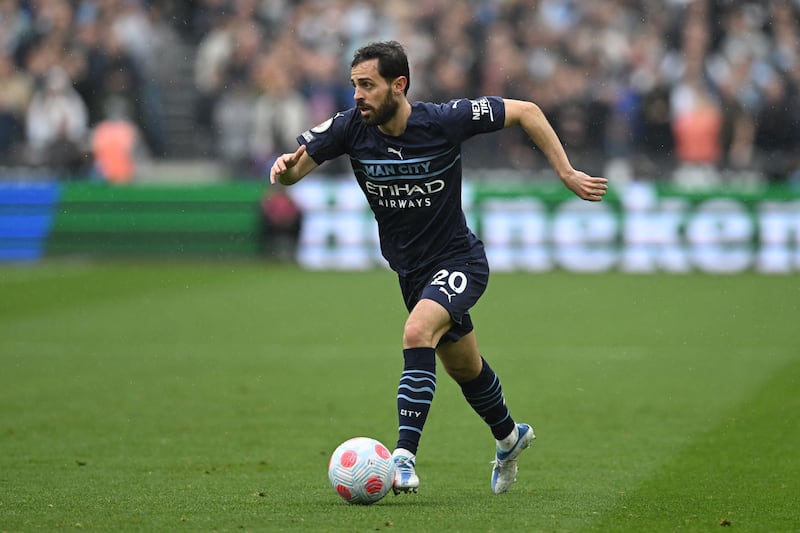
(231, 81)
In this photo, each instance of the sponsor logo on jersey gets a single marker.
(407, 183)
(403, 195)
(481, 107)
(410, 169)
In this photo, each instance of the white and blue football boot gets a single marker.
(505, 468)
(405, 476)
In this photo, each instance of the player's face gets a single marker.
(373, 95)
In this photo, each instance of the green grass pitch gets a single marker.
(209, 396)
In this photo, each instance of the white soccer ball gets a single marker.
(361, 470)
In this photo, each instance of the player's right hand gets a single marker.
(285, 162)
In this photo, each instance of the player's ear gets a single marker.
(399, 84)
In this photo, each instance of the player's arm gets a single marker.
(288, 169)
(530, 117)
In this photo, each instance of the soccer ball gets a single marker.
(361, 470)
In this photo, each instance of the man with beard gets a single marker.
(407, 160)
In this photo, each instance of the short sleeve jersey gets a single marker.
(413, 181)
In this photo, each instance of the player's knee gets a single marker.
(417, 334)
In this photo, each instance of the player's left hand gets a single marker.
(285, 163)
(586, 187)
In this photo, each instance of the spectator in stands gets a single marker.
(697, 115)
(232, 115)
(145, 36)
(248, 40)
(777, 130)
(52, 23)
(321, 85)
(15, 26)
(455, 67)
(119, 80)
(213, 53)
(57, 125)
(279, 110)
(741, 98)
(783, 27)
(697, 126)
(16, 89)
(233, 121)
(116, 146)
(610, 68)
(115, 77)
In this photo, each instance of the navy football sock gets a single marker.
(485, 395)
(414, 395)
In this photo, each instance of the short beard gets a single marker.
(385, 112)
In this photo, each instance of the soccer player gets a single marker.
(406, 158)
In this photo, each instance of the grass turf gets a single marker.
(209, 396)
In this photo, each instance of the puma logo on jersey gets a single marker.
(396, 151)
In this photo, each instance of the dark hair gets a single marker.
(392, 60)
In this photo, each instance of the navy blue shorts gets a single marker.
(456, 284)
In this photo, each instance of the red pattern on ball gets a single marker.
(374, 485)
(344, 492)
(382, 452)
(348, 459)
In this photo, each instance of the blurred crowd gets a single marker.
(698, 91)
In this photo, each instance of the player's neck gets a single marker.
(397, 124)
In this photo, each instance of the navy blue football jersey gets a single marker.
(413, 181)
